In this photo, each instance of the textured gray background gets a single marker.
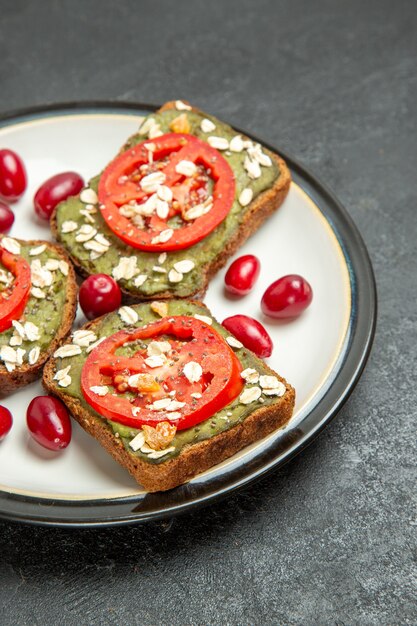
(329, 538)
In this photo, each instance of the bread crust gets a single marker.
(193, 458)
(259, 210)
(26, 374)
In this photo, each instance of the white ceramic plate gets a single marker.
(310, 235)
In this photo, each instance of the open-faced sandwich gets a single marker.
(182, 195)
(38, 298)
(167, 390)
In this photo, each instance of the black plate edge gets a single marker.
(331, 402)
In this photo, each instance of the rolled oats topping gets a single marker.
(155, 361)
(192, 371)
(159, 453)
(19, 356)
(69, 226)
(85, 233)
(84, 337)
(162, 258)
(182, 106)
(250, 375)
(32, 331)
(186, 168)
(147, 125)
(158, 347)
(41, 277)
(198, 209)
(249, 395)
(96, 247)
(6, 278)
(11, 245)
(8, 354)
(162, 208)
(234, 343)
(245, 196)
(102, 240)
(137, 442)
(164, 193)
(151, 182)
(63, 268)
(67, 350)
(269, 382)
(174, 276)
(236, 144)
(159, 270)
(164, 236)
(88, 196)
(15, 340)
(185, 266)
(37, 250)
(65, 382)
(219, 143)
(100, 390)
(19, 329)
(139, 280)
(34, 355)
(204, 318)
(128, 315)
(62, 373)
(126, 268)
(252, 167)
(95, 344)
(52, 265)
(207, 126)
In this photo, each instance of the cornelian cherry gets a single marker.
(99, 294)
(242, 275)
(6, 218)
(287, 297)
(55, 190)
(13, 179)
(49, 423)
(6, 422)
(251, 333)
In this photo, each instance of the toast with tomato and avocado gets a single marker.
(38, 300)
(166, 390)
(181, 197)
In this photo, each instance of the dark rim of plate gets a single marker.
(354, 354)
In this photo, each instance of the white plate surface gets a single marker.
(297, 239)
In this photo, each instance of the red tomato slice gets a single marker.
(122, 183)
(191, 340)
(13, 298)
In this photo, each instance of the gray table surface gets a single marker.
(328, 539)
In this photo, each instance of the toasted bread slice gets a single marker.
(196, 449)
(52, 310)
(210, 254)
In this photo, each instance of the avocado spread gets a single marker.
(225, 419)
(78, 214)
(45, 308)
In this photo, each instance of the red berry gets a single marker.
(55, 190)
(287, 297)
(251, 333)
(13, 179)
(49, 422)
(6, 218)
(99, 294)
(242, 275)
(6, 422)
